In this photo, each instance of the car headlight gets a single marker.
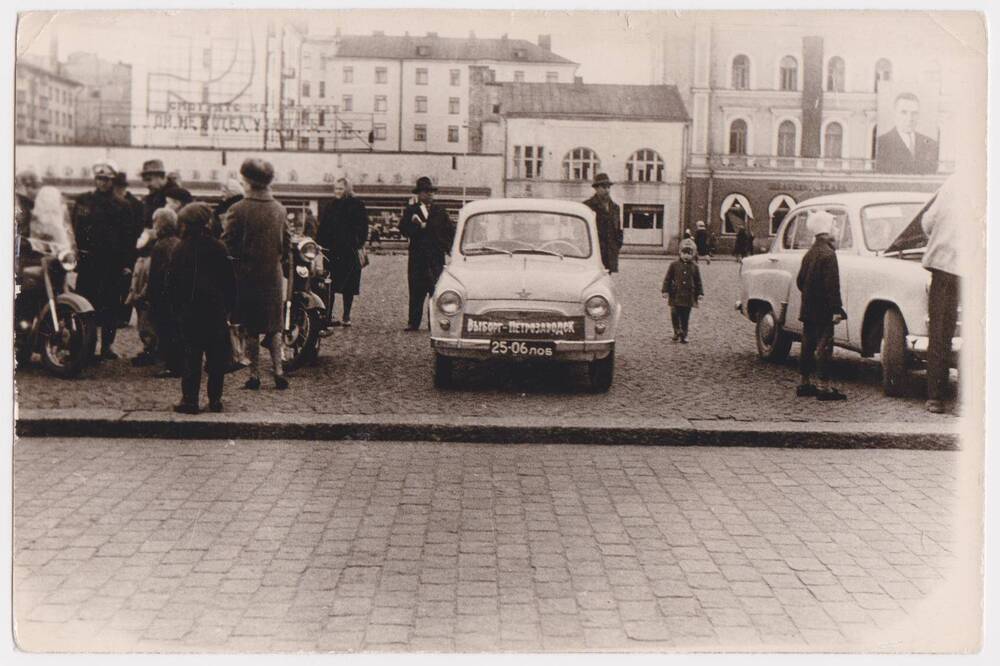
(597, 307)
(449, 302)
(308, 249)
(68, 260)
(302, 271)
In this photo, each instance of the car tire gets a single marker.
(895, 372)
(443, 368)
(773, 342)
(602, 373)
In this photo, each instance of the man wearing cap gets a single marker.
(822, 308)
(609, 231)
(431, 233)
(154, 177)
(100, 223)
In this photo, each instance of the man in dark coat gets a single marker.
(134, 230)
(343, 230)
(609, 231)
(903, 149)
(822, 309)
(154, 177)
(703, 241)
(431, 233)
(101, 225)
(201, 289)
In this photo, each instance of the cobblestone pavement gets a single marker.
(287, 546)
(376, 368)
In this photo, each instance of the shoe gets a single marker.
(935, 406)
(252, 384)
(830, 394)
(186, 408)
(410, 329)
(345, 323)
(676, 337)
(325, 332)
(143, 359)
(684, 340)
(166, 374)
(215, 406)
(806, 390)
(336, 322)
(280, 382)
(108, 355)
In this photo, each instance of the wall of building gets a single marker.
(45, 107)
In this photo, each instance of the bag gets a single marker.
(237, 349)
(363, 257)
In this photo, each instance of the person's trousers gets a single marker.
(817, 349)
(144, 325)
(419, 291)
(274, 343)
(679, 317)
(348, 300)
(168, 342)
(216, 355)
(942, 310)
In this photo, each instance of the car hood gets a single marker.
(524, 276)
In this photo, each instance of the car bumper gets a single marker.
(917, 345)
(565, 350)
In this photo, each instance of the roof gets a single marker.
(394, 47)
(25, 65)
(526, 204)
(592, 100)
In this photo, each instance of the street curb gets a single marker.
(441, 428)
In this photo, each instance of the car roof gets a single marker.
(540, 205)
(858, 199)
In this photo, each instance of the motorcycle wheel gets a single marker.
(302, 339)
(64, 354)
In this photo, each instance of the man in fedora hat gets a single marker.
(154, 177)
(609, 231)
(431, 233)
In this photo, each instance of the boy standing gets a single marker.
(682, 286)
(822, 309)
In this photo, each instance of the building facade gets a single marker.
(44, 105)
(104, 103)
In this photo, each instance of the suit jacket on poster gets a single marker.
(428, 245)
(892, 155)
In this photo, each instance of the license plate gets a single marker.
(522, 348)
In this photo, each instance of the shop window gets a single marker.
(642, 216)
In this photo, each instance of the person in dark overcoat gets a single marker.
(257, 238)
(101, 224)
(683, 288)
(343, 230)
(822, 308)
(609, 231)
(201, 289)
(134, 230)
(431, 233)
(702, 241)
(156, 302)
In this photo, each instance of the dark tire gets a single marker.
(443, 369)
(895, 372)
(602, 373)
(302, 340)
(773, 342)
(66, 352)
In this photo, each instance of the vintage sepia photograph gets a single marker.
(458, 330)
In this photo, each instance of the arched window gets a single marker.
(581, 164)
(741, 72)
(738, 137)
(833, 141)
(835, 75)
(789, 74)
(786, 139)
(645, 166)
(883, 71)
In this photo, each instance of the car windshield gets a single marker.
(511, 232)
(882, 223)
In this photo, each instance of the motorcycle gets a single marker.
(48, 317)
(303, 313)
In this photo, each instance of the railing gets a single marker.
(773, 162)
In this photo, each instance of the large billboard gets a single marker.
(908, 131)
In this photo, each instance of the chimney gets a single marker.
(432, 35)
(545, 42)
(578, 80)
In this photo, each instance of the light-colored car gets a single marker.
(525, 281)
(884, 293)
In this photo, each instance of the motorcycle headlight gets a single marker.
(302, 271)
(449, 302)
(597, 307)
(68, 260)
(308, 249)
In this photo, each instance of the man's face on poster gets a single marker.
(907, 115)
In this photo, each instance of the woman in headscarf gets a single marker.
(343, 231)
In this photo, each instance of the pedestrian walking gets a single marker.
(257, 238)
(609, 232)
(100, 224)
(702, 241)
(154, 177)
(201, 288)
(343, 230)
(231, 192)
(157, 302)
(822, 309)
(683, 288)
(431, 233)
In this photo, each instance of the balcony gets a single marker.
(798, 164)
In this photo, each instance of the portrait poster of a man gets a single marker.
(904, 148)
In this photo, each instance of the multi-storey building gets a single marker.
(104, 104)
(45, 105)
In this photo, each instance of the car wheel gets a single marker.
(443, 367)
(773, 342)
(893, 353)
(602, 373)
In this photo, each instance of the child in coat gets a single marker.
(682, 286)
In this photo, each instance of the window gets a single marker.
(833, 141)
(738, 137)
(552, 77)
(420, 132)
(883, 71)
(645, 166)
(789, 74)
(305, 89)
(306, 61)
(381, 104)
(455, 76)
(421, 76)
(452, 133)
(581, 164)
(786, 139)
(303, 143)
(454, 105)
(379, 131)
(528, 161)
(347, 102)
(638, 216)
(320, 143)
(519, 76)
(322, 119)
(421, 106)
(735, 214)
(348, 75)
(304, 116)
(346, 130)
(381, 75)
(423, 50)
(835, 75)
(322, 89)
(741, 72)
(779, 208)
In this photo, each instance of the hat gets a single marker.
(178, 194)
(120, 179)
(424, 185)
(601, 179)
(700, 224)
(820, 222)
(258, 172)
(27, 178)
(196, 214)
(153, 167)
(687, 244)
(105, 169)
